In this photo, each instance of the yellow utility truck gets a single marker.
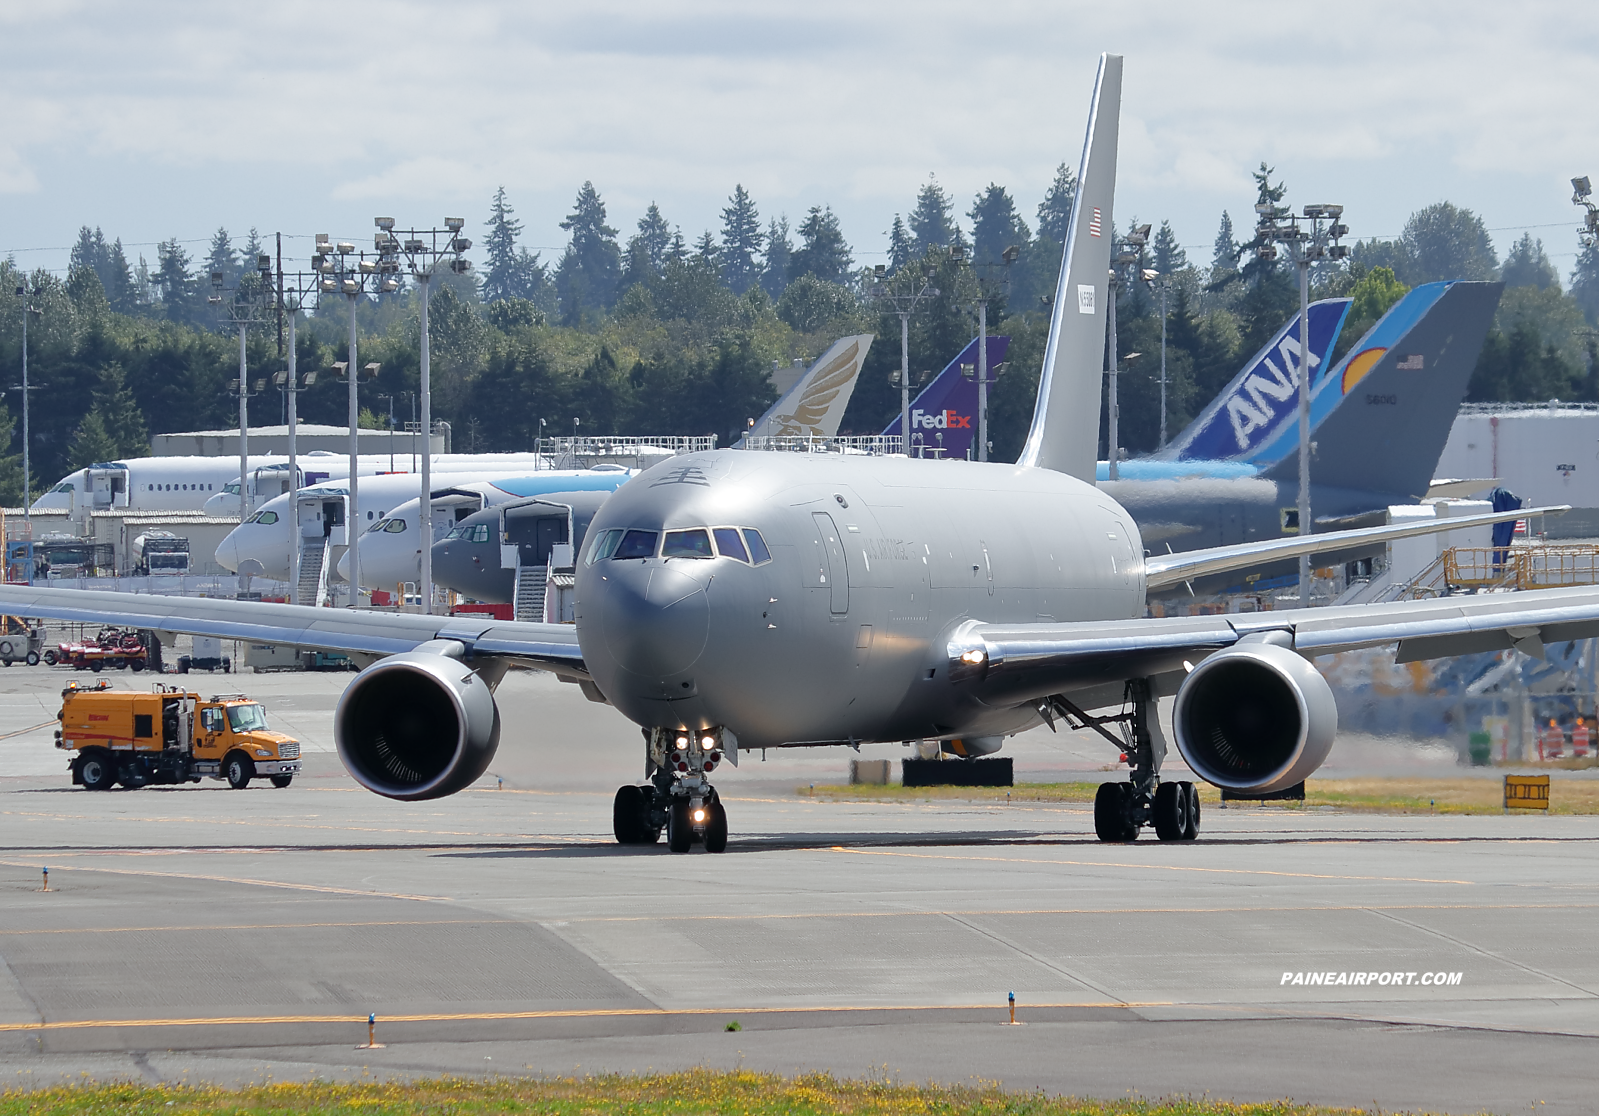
(169, 736)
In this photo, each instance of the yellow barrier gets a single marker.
(1523, 567)
(1526, 792)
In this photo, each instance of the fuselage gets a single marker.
(841, 634)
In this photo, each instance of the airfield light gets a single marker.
(1582, 186)
(1009, 255)
(454, 224)
(384, 223)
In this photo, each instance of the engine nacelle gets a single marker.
(417, 726)
(1255, 718)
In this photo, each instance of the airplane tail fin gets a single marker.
(1065, 431)
(1386, 409)
(944, 414)
(815, 405)
(1240, 422)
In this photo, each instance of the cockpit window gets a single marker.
(637, 544)
(394, 526)
(264, 517)
(65, 486)
(604, 545)
(758, 552)
(480, 533)
(729, 544)
(456, 533)
(693, 543)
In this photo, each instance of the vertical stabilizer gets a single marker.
(815, 406)
(1065, 431)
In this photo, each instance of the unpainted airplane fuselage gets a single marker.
(842, 636)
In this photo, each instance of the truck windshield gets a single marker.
(246, 718)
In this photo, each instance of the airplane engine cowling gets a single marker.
(1255, 718)
(417, 726)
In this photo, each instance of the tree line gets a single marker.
(657, 333)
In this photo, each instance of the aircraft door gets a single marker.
(535, 536)
(832, 566)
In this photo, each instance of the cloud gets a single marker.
(297, 114)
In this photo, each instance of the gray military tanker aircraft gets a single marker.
(730, 600)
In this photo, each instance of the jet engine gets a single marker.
(1255, 718)
(418, 725)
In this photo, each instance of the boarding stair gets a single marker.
(312, 588)
(530, 585)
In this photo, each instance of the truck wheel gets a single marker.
(281, 781)
(96, 772)
(97, 666)
(136, 665)
(238, 770)
(6, 650)
(183, 664)
(33, 658)
(227, 665)
(50, 658)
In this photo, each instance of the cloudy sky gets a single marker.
(163, 119)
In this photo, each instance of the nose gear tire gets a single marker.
(679, 829)
(630, 817)
(716, 828)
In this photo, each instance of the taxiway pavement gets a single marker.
(203, 933)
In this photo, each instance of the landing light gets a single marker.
(699, 815)
(707, 742)
(682, 743)
(975, 656)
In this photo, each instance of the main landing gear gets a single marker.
(1122, 809)
(677, 798)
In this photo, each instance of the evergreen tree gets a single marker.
(223, 259)
(1527, 265)
(119, 414)
(901, 247)
(779, 257)
(117, 280)
(173, 280)
(677, 250)
(741, 242)
(501, 263)
(88, 296)
(90, 442)
(10, 464)
(823, 252)
(996, 225)
(1169, 255)
(1585, 282)
(647, 248)
(253, 249)
(705, 250)
(1224, 258)
(586, 278)
(1442, 241)
(1055, 211)
(87, 251)
(932, 221)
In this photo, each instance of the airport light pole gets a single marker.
(987, 289)
(292, 298)
(27, 296)
(348, 272)
(903, 290)
(244, 305)
(1315, 242)
(424, 251)
(1128, 252)
(1162, 283)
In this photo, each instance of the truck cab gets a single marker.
(170, 736)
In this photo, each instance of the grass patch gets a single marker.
(679, 1094)
(1375, 795)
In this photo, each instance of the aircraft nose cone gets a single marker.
(228, 553)
(343, 568)
(656, 621)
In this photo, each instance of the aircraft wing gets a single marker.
(548, 646)
(1173, 569)
(1021, 662)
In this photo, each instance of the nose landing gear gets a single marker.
(678, 797)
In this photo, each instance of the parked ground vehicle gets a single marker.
(206, 655)
(112, 647)
(20, 642)
(169, 736)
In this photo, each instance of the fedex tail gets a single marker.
(944, 416)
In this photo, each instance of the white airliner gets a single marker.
(211, 484)
(262, 544)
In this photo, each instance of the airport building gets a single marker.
(1544, 453)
